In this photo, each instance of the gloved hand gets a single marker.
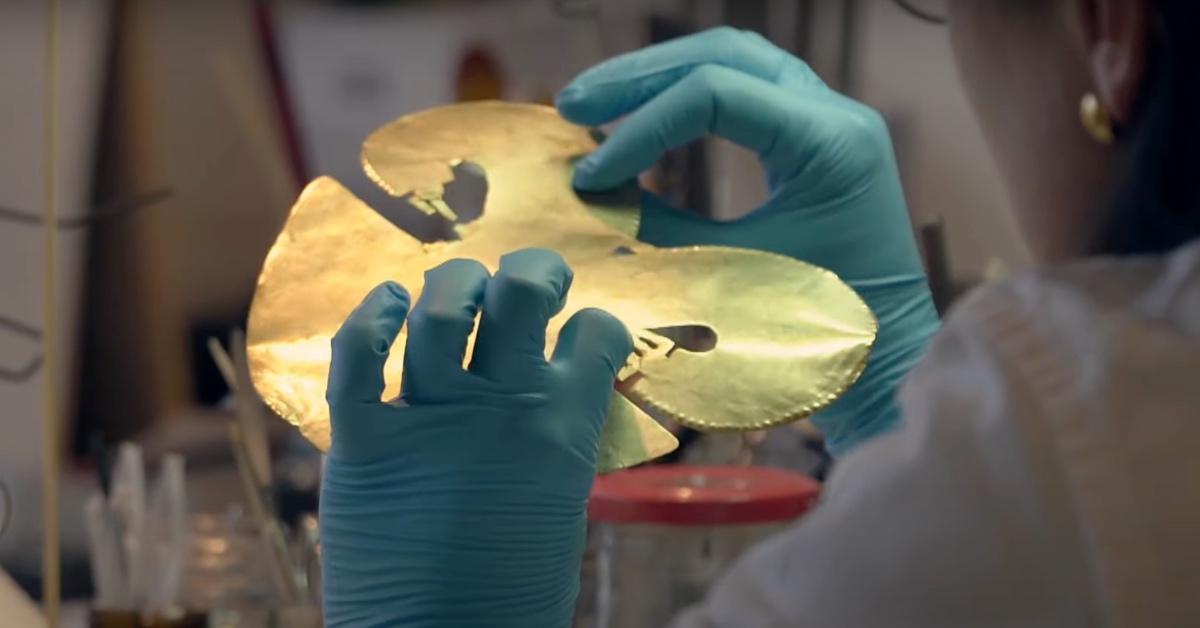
(463, 502)
(835, 195)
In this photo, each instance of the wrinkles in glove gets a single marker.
(463, 502)
(835, 196)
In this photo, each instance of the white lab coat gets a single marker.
(1047, 472)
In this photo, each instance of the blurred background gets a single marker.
(186, 130)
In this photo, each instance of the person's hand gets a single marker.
(463, 502)
(835, 195)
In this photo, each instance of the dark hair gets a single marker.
(1156, 204)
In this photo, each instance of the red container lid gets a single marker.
(683, 495)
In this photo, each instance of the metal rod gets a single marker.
(112, 209)
(51, 575)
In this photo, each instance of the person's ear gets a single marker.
(1116, 36)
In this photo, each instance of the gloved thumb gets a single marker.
(591, 348)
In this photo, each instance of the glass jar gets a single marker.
(660, 536)
(226, 574)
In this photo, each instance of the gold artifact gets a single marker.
(789, 337)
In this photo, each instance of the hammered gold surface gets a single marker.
(790, 337)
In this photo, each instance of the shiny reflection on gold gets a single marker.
(790, 337)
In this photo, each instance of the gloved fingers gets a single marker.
(663, 224)
(624, 83)
(361, 346)
(592, 347)
(530, 287)
(712, 99)
(439, 327)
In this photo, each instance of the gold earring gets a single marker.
(1095, 119)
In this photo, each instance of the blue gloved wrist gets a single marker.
(908, 319)
(511, 558)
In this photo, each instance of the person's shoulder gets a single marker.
(1085, 375)
(1089, 338)
(1080, 299)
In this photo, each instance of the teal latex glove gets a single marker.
(835, 196)
(463, 502)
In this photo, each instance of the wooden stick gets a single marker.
(223, 362)
(235, 371)
(250, 411)
(274, 545)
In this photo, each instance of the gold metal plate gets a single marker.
(789, 337)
